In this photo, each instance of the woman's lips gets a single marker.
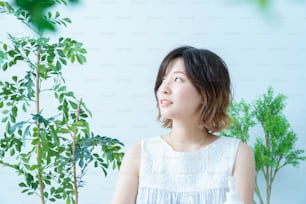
(165, 102)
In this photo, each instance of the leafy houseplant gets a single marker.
(276, 148)
(51, 152)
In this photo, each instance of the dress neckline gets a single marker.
(190, 152)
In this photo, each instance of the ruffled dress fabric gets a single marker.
(198, 177)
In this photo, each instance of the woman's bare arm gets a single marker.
(244, 173)
(127, 181)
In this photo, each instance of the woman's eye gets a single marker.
(178, 79)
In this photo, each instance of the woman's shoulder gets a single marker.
(131, 160)
(241, 146)
(245, 150)
(146, 147)
(230, 142)
(135, 148)
(245, 153)
(237, 146)
(229, 139)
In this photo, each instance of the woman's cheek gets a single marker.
(184, 92)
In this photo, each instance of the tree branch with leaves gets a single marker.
(40, 148)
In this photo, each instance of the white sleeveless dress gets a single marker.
(199, 177)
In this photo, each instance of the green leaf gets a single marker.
(26, 133)
(12, 152)
(5, 47)
(72, 58)
(2, 57)
(33, 167)
(58, 65)
(49, 15)
(81, 163)
(69, 93)
(43, 57)
(39, 118)
(5, 112)
(11, 53)
(62, 88)
(63, 130)
(14, 110)
(24, 107)
(42, 41)
(73, 105)
(18, 125)
(15, 78)
(42, 68)
(63, 60)
(22, 185)
(67, 20)
(68, 52)
(20, 58)
(81, 58)
(61, 53)
(29, 178)
(25, 190)
(34, 142)
(12, 118)
(83, 51)
(5, 66)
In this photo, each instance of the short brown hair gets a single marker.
(210, 76)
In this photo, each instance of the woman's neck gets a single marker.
(188, 137)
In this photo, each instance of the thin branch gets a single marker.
(8, 164)
(41, 185)
(76, 193)
(257, 191)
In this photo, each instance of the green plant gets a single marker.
(242, 120)
(51, 151)
(276, 148)
(36, 10)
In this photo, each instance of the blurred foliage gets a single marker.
(262, 3)
(37, 12)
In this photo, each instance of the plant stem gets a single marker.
(76, 193)
(14, 166)
(257, 191)
(269, 189)
(41, 184)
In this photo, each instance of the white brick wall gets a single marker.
(126, 40)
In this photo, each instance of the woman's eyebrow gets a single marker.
(175, 72)
(180, 72)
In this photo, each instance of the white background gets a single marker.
(126, 41)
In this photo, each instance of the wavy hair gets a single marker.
(209, 74)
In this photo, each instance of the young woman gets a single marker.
(190, 164)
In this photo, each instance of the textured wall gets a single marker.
(126, 40)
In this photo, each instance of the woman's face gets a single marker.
(178, 99)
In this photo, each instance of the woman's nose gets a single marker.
(165, 88)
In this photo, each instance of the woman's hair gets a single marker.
(209, 74)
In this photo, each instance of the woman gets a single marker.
(190, 164)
